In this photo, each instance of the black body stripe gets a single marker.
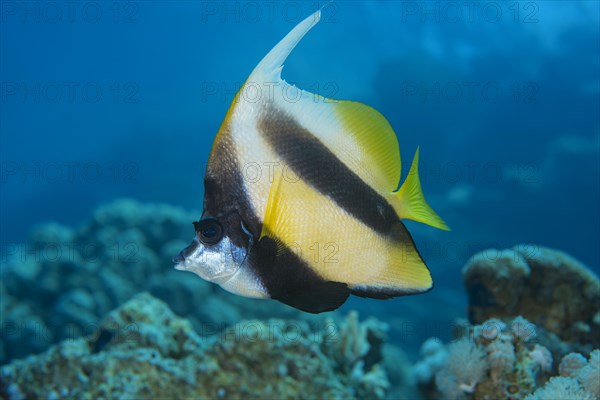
(314, 163)
(225, 196)
(290, 280)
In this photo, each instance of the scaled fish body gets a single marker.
(320, 219)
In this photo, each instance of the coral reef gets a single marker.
(491, 360)
(559, 388)
(579, 379)
(64, 280)
(356, 351)
(529, 306)
(548, 287)
(534, 325)
(142, 350)
(464, 368)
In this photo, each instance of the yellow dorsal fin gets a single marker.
(377, 153)
(410, 203)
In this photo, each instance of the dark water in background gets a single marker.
(107, 100)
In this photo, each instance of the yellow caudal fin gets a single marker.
(410, 203)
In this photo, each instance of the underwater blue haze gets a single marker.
(105, 100)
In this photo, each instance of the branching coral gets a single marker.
(356, 349)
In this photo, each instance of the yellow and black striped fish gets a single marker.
(319, 217)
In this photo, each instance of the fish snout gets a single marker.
(179, 259)
(185, 253)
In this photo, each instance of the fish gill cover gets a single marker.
(108, 115)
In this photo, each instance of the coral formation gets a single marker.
(528, 306)
(504, 355)
(357, 352)
(142, 349)
(559, 388)
(579, 379)
(464, 368)
(491, 360)
(548, 287)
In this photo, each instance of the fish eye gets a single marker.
(209, 231)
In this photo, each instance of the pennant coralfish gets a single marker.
(326, 222)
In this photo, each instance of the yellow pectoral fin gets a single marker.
(274, 220)
(284, 216)
(410, 203)
(276, 225)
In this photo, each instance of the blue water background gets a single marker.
(514, 161)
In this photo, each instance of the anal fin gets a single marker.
(317, 298)
(404, 274)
